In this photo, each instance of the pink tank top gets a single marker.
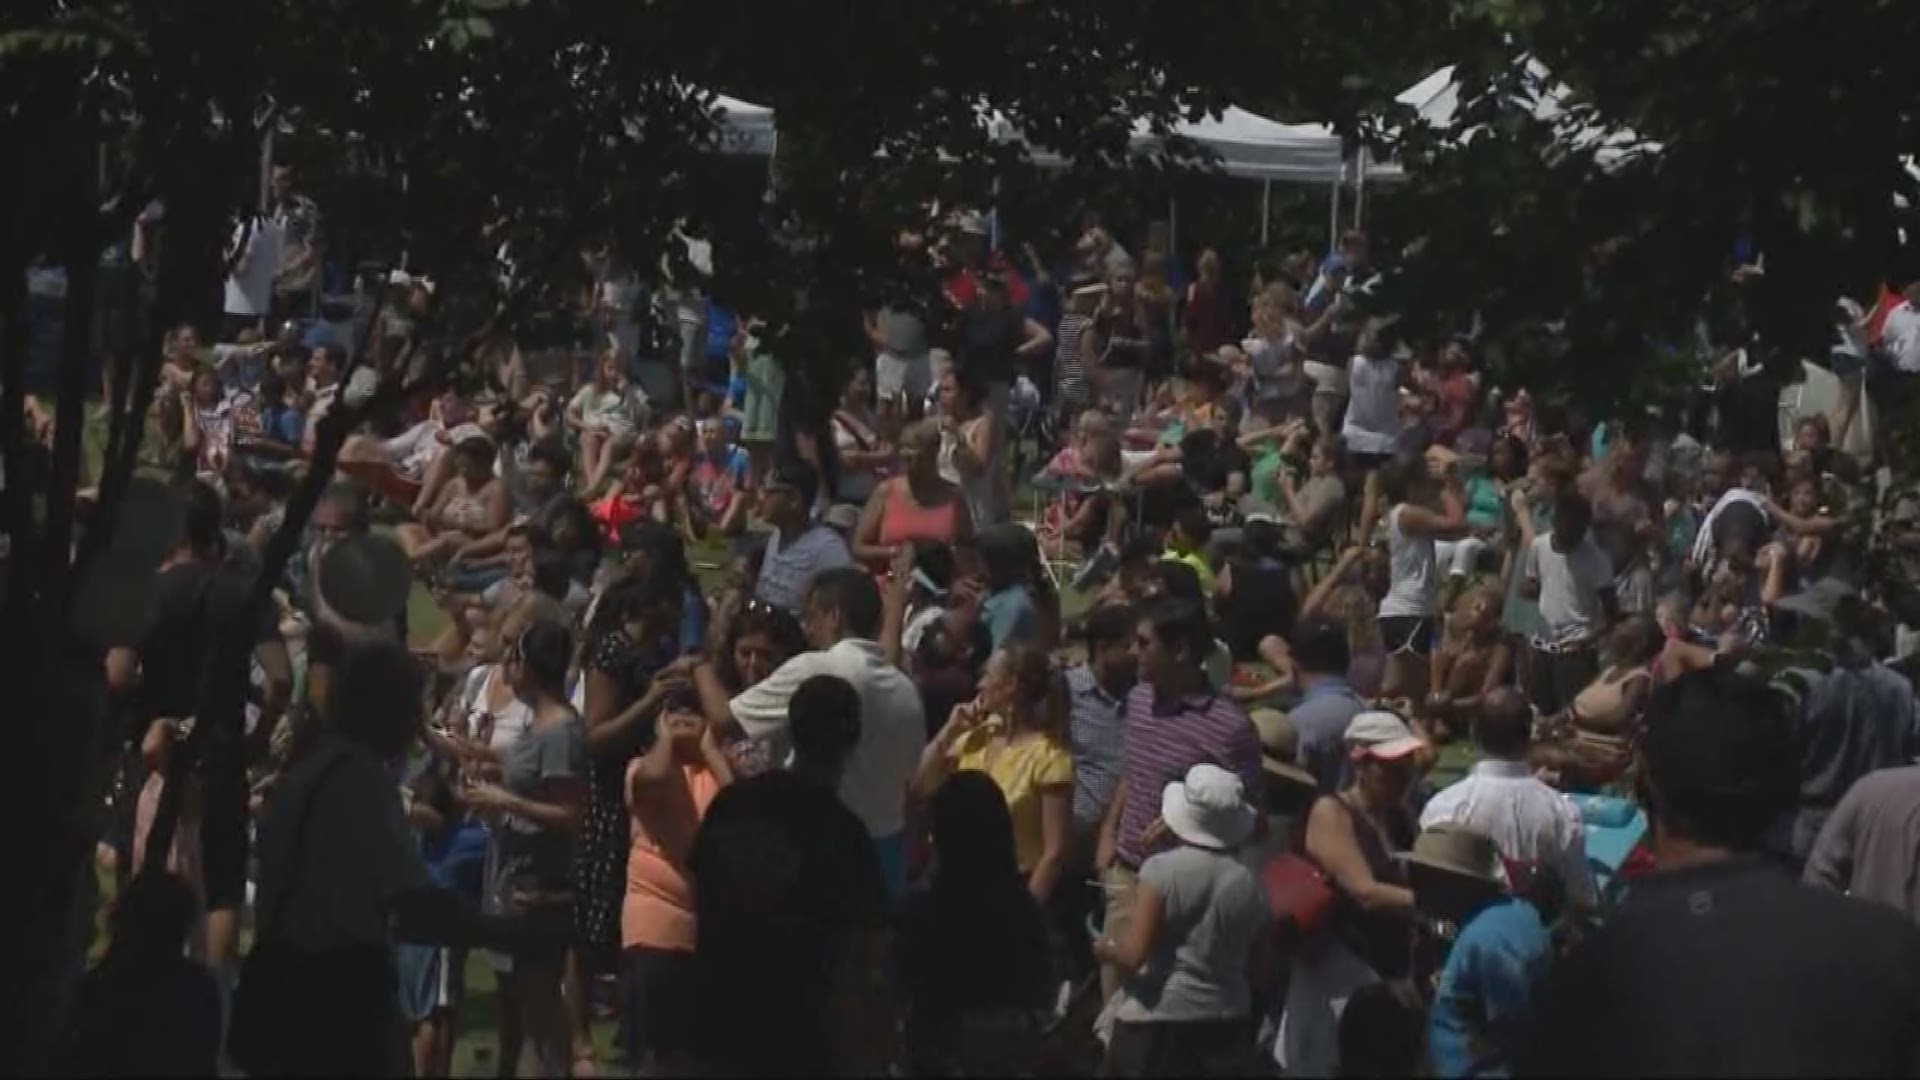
(906, 521)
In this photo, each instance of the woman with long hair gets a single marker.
(1014, 731)
(864, 448)
(1413, 525)
(752, 639)
(1207, 316)
(633, 637)
(973, 944)
(537, 809)
(605, 416)
(965, 444)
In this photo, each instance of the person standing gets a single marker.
(1175, 720)
(1573, 581)
(198, 597)
(1533, 826)
(1870, 847)
(296, 282)
(841, 621)
(996, 341)
(668, 791)
(1717, 961)
(1327, 702)
(1197, 942)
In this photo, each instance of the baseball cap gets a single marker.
(1381, 734)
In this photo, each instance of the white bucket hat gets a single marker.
(1208, 809)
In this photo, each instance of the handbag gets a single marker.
(1298, 894)
(312, 1011)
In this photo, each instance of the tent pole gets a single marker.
(1266, 211)
(1333, 221)
(1173, 223)
(1359, 188)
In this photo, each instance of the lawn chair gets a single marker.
(1051, 492)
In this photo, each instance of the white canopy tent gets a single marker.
(1249, 147)
(745, 128)
(1436, 100)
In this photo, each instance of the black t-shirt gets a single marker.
(192, 601)
(987, 344)
(1732, 969)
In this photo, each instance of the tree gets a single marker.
(1761, 135)
(543, 125)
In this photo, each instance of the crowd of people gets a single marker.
(1077, 686)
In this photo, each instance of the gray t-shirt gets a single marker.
(905, 334)
(1214, 909)
(527, 855)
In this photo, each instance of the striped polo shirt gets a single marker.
(1166, 740)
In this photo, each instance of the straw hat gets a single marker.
(1460, 851)
(1280, 746)
(1208, 808)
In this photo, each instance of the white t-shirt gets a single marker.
(510, 721)
(1373, 405)
(250, 286)
(1570, 586)
(1900, 337)
(893, 726)
(1412, 559)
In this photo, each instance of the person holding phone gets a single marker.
(668, 790)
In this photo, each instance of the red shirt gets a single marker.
(963, 285)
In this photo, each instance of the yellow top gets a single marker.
(1023, 770)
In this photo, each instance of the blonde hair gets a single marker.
(1092, 422)
(1102, 455)
(1271, 308)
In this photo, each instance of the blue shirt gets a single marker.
(1320, 721)
(1009, 617)
(791, 563)
(1098, 730)
(283, 424)
(1486, 990)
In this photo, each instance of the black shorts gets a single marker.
(1365, 462)
(1407, 634)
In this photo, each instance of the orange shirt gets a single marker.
(658, 911)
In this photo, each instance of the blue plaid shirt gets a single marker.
(1099, 728)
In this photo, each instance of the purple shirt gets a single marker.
(1163, 743)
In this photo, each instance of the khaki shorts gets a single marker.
(1121, 897)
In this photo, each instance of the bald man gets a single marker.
(1528, 820)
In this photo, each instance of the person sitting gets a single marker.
(605, 416)
(1254, 592)
(1589, 746)
(800, 548)
(917, 505)
(718, 482)
(1472, 660)
(472, 505)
